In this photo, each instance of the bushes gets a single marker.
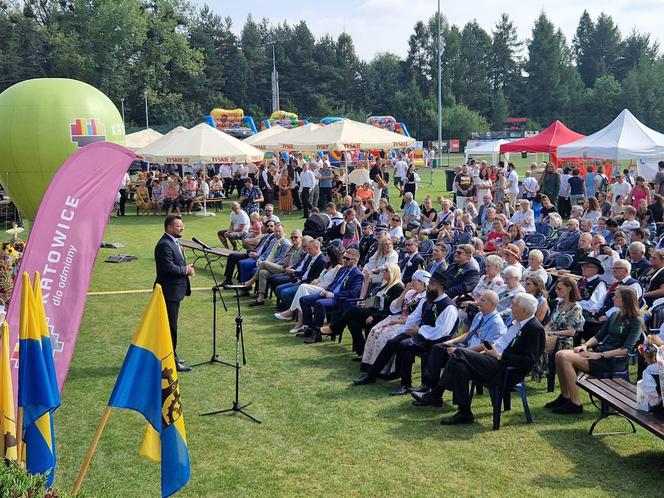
(15, 482)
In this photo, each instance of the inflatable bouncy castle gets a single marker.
(388, 123)
(232, 121)
(284, 119)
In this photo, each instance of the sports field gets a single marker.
(320, 436)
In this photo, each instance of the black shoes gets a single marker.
(256, 303)
(458, 418)
(315, 337)
(400, 391)
(421, 389)
(364, 379)
(426, 399)
(560, 400)
(567, 408)
(181, 367)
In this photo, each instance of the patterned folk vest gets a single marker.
(588, 288)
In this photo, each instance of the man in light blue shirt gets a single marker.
(486, 326)
(411, 211)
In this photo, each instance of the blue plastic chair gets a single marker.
(501, 395)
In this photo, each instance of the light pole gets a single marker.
(275, 80)
(147, 118)
(440, 94)
(123, 113)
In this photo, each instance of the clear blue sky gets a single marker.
(385, 25)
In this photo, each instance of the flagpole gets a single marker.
(91, 451)
(19, 436)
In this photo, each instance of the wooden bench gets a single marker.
(214, 253)
(618, 398)
(217, 202)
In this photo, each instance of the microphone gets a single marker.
(202, 244)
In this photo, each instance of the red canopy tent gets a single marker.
(547, 141)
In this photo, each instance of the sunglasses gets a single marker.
(346, 258)
(295, 237)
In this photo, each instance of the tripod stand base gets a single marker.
(212, 361)
(235, 408)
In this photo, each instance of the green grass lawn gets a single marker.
(320, 436)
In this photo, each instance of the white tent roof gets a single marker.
(204, 144)
(140, 139)
(486, 148)
(266, 134)
(275, 141)
(346, 134)
(155, 146)
(624, 138)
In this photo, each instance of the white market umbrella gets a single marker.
(276, 142)
(204, 144)
(141, 139)
(155, 146)
(345, 135)
(266, 135)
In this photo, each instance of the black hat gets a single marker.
(367, 224)
(380, 228)
(593, 261)
(442, 279)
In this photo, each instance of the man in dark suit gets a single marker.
(464, 272)
(234, 258)
(368, 243)
(412, 261)
(347, 284)
(309, 269)
(173, 274)
(519, 347)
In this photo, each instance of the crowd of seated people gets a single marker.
(469, 291)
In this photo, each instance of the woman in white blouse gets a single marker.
(315, 287)
(373, 270)
(524, 217)
(535, 268)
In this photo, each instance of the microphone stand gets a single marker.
(239, 343)
(216, 290)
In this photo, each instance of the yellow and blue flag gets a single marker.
(7, 420)
(148, 383)
(37, 385)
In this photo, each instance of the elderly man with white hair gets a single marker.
(486, 326)
(637, 258)
(519, 347)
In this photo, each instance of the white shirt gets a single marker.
(396, 232)
(239, 219)
(526, 219)
(225, 171)
(501, 344)
(596, 299)
(513, 182)
(272, 217)
(622, 189)
(532, 184)
(125, 181)
(607, 264)
(307, 179)
(400, 169)
(565, 187)
(444, 326)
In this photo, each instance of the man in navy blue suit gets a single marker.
(173, 274)
(347, 284)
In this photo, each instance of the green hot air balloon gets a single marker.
(42, 122)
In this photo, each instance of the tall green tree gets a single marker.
(474, 80)
(582, 46)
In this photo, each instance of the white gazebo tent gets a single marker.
(266, 135)
(275, 142)
(491, 148)
(204, 144)
(155, 146)
(141, 139)
(624, 138)
(345, 135)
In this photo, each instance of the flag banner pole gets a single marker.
(19, 436)
(91, 451)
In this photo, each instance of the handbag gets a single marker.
(372, 302)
